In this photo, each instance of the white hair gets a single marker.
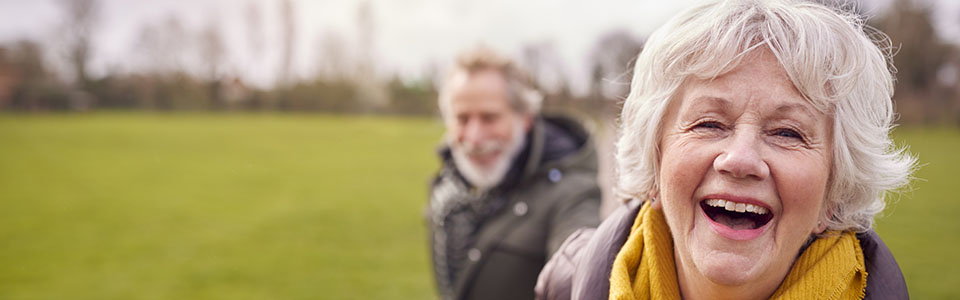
(522, 96)
(841, 66)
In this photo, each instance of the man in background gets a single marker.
(513, 185)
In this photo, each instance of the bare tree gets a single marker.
(254, 29)
(289, 27)
(255, 38)
(371, 92)
(81, 17)
(542, 61)
(212, 51)
(365, 25)
(163, 47)
(921, 52)
(28, 80)
(334, 61)
(921, 56)
(612, 60)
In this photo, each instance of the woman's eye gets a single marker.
(788, 133)
(709, 125)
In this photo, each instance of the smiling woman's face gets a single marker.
(745, 162)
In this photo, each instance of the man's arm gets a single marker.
(580, 211)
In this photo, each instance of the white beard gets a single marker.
(485, 178)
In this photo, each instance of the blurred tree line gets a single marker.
(928, 70)
(177, 69)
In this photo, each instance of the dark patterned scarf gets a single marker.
(458, 213)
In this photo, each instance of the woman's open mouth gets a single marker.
(739, 221)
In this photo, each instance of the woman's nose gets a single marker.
(741, 157)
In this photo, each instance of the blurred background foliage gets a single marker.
(175, 77)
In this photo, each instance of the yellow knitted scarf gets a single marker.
(830, 268)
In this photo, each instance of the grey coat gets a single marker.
(551, 195)
(581, 268)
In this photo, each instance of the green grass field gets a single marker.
(247, 206)
(140, 206)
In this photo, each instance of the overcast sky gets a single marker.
(409, 36)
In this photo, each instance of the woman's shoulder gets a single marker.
(580, 269)
(884, 278)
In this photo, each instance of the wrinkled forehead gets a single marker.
(758, 85)
(721, 62)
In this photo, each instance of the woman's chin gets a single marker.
(729, 269)
(730, 262)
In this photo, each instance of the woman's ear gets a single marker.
(655, 199)
(821, 221)
(821, 227)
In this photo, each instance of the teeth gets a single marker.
(737, 207)
(759, 210)
(741, 207)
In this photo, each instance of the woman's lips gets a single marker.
(738, 227)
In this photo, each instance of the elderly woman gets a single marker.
(757, 134)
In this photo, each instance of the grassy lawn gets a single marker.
(139, 206)
(247, 206)
(922, 226)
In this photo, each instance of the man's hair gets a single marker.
(841, 66)
(521, 94)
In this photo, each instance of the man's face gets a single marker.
(483, 130)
